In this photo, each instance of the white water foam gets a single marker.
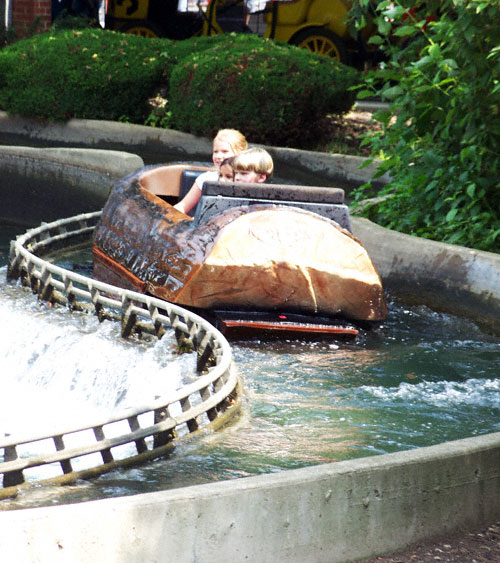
(61, 366)
(443, 394)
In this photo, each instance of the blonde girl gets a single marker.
(227, 142)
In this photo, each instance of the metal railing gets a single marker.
(132, 435)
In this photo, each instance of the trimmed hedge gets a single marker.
(88, 74)
(274, 93)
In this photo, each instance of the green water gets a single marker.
(421, 378)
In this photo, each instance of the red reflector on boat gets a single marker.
(290, 326)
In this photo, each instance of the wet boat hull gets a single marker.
(261, 257)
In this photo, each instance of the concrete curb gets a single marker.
(334, 512)
(446, 277)
(160, 144)
(102, 134)
(329, 513)
(91, 170)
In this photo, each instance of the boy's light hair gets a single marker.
(254, 160)
(234, 138)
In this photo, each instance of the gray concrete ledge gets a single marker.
(161, 144)
(91, 170)
(103, 134)
(445, 276)
(329, 513)
(343, 170)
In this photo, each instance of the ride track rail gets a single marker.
(151, 430)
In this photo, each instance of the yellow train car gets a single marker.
(317, 25)
(152, 18)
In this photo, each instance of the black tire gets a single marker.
(323, 42)
(143, 28)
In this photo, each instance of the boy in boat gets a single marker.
(227, 142)
(254, 165)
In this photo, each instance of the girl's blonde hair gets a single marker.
(254, 160)
(234, 138)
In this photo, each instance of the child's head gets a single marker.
(226, 172)
(253, 165)
(227, 142)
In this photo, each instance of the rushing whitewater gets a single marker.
(65, 367)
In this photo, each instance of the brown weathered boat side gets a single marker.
(257, 257)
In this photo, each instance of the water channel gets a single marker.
(421, 378)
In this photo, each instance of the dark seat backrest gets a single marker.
(327, 202)
(187, 180)
(285, 192)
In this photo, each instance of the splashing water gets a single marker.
(60, 366)
(420, 379)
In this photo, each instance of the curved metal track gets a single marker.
(147, 431)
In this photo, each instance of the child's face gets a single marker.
(250, 177)
(226, 173)
(220, 151)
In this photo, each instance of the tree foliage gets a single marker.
(441, 136)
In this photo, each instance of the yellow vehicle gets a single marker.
(152, 18)
(317, 25)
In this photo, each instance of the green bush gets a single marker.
(92, 74)
(274, 93)
(179, 50)
(441, 135)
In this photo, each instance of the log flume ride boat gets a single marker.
(265, 257)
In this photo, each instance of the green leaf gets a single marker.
(393, 92)
(423, 61)
(404, 31)
(375, 40)
(450, 216)
(435, 51)
(471, 190)
(467, 153)
(494, 235)
(382, 115)
(394, 11)
(362, 94)
(384, 27)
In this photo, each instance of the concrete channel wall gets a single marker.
(335, 512)
(328, 513)
(62, 181)
(92, 171)
(444, 276)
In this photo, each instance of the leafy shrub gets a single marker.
(274, 93)
(441, 135)
(7, 36)
(66, 20)
(93, 74)
(179, 50)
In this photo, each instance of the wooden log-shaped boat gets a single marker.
(249, 247)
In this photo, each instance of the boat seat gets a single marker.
(282, 192)
(167, 180)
